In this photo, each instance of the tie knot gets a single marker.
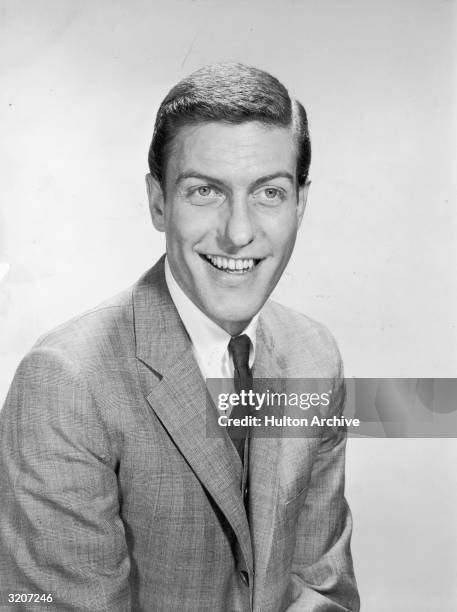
(239, 348)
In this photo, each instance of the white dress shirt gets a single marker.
(209, 341)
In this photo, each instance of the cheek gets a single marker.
(187, 224)
(282, 235)
(179, 229)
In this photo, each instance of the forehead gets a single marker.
(232, 152)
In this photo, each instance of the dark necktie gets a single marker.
(239, 349)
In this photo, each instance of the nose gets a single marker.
(238, 228)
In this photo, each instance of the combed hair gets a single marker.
(233, 93)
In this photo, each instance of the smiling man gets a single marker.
(116, 494)
(233, 207)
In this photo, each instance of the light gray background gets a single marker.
(376, 255)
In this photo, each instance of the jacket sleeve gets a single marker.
(60, 530)
(323, 578)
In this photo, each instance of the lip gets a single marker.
(231, 266)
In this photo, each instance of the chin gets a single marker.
(233, 317)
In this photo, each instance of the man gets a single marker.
(114, 494)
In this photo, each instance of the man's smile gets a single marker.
(231, 265)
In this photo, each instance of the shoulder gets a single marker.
(67, 363)
(97, 341)
(305, 344)
(107, 331)
(73, 366)
(98, 333)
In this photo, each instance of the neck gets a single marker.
(234, 328)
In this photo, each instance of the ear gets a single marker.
(302, 199)
(156, 202)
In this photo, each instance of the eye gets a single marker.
(204, 194)
(270, 196)
(271, 193)
(204, 191)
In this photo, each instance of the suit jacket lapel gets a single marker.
(263, 458)
(177, 394)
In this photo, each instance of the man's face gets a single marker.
(230, 213)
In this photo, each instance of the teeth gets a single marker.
(230, 263)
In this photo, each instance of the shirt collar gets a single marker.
(209, 340)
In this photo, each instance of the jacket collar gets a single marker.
(176, 392)
(160, 336)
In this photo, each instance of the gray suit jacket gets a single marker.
(113, 496)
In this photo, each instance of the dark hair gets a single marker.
(234, 93)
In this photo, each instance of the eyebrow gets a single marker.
(209, 179)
